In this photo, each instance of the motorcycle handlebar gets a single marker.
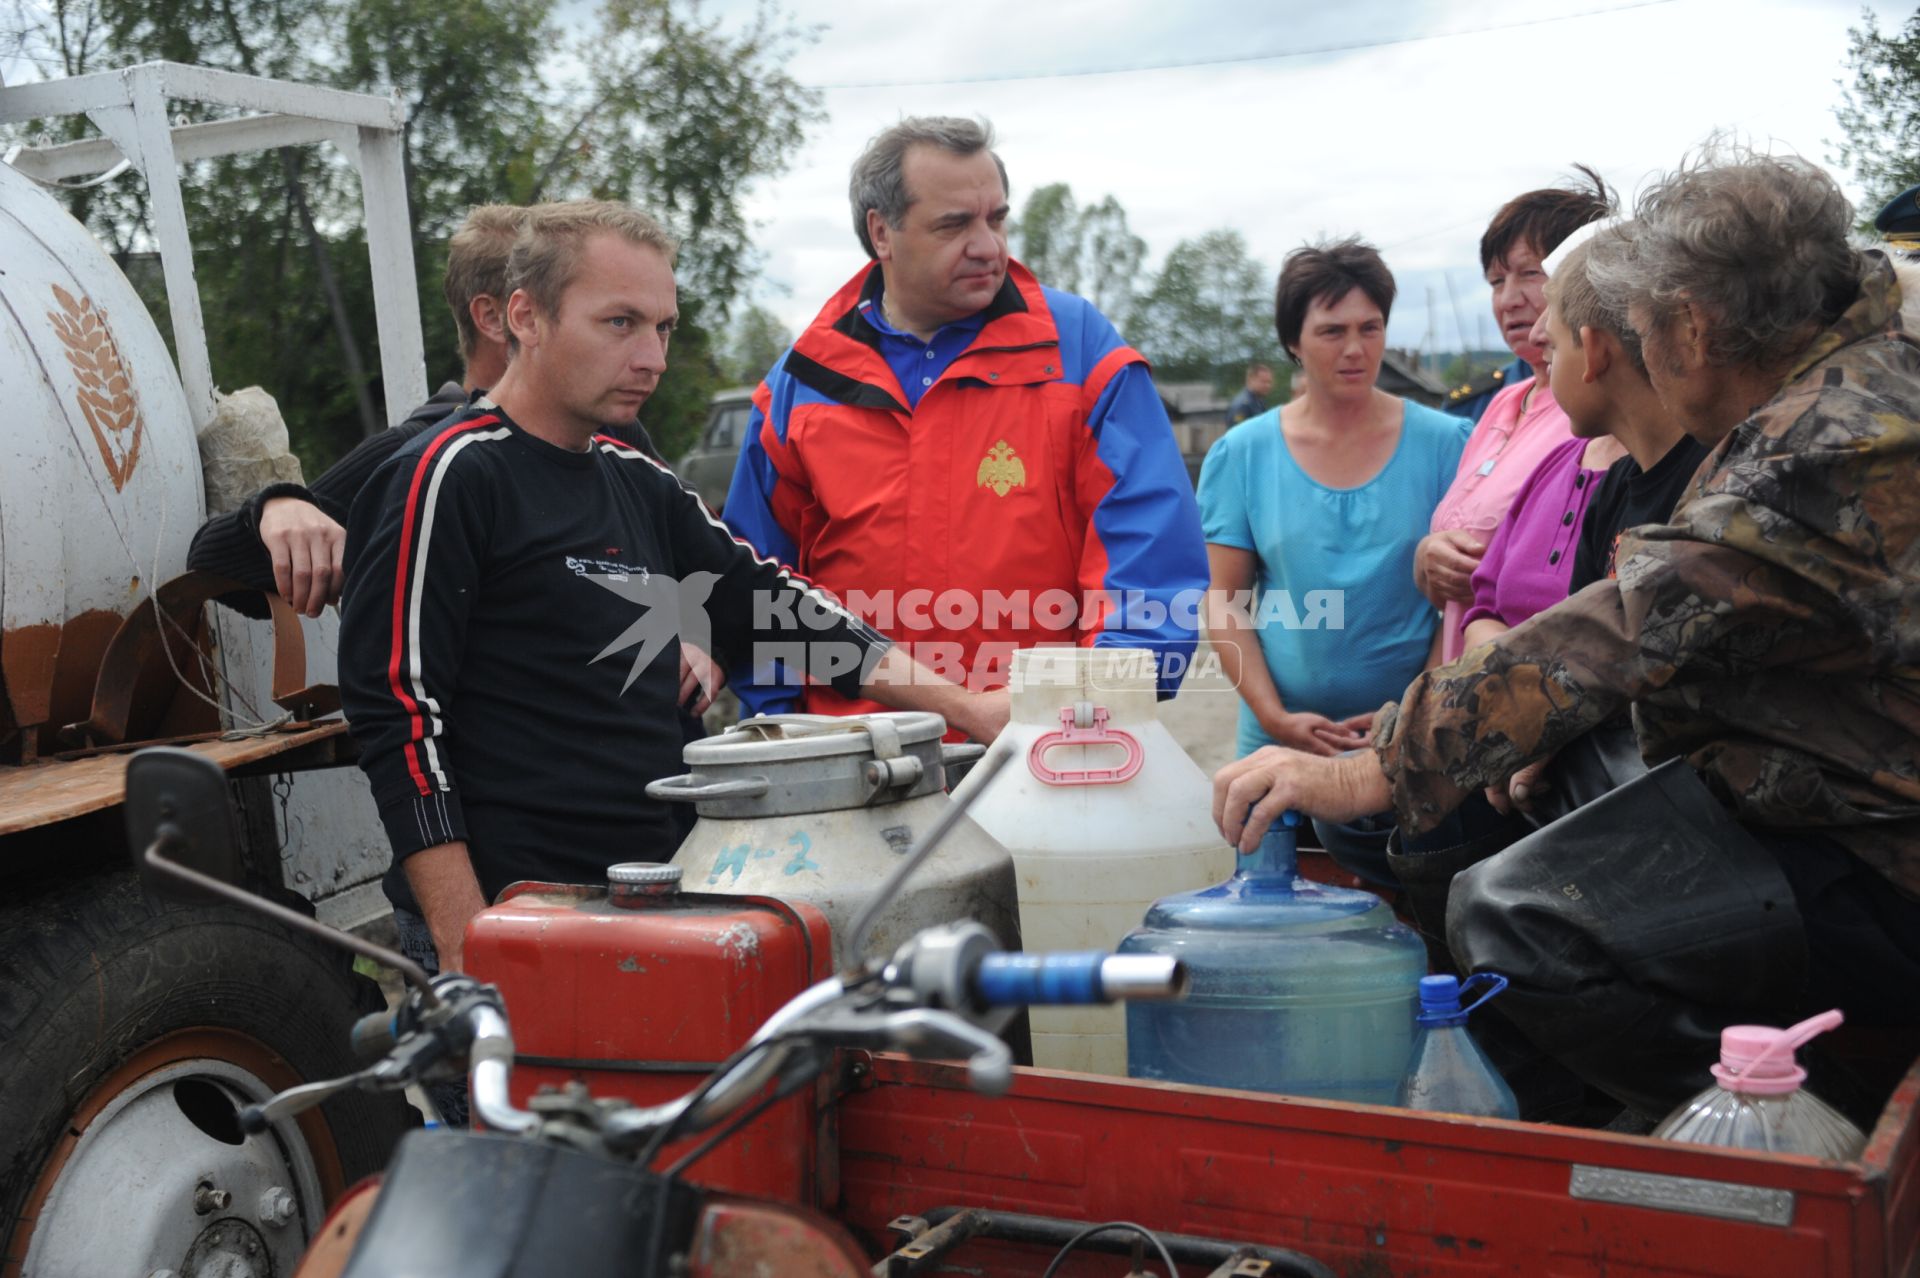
(943, 968)
(1021, 980)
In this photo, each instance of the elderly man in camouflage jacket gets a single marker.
(1769, 637)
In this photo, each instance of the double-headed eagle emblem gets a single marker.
(1000, 469)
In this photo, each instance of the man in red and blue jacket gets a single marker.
(971, 461)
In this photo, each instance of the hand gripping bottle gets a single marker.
(1758, 1102)
(1449, 1073)
(1295, 986)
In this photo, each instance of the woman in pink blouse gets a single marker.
(1522, 425)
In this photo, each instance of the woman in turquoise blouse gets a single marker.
(1311, 513)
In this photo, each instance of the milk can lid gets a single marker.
(777, 738)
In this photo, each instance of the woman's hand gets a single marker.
(1444, 562)
(1357, 729)
(1272, 779)
(1312, 733)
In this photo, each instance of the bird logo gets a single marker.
(675, 610)
(1001, 470)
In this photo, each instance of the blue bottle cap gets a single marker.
(1440, 1001)
(1440, 997)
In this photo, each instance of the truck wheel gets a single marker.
(132, 1031)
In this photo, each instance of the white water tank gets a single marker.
(1104, 814)
(100, 482)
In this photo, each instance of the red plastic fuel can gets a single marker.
(640, 991)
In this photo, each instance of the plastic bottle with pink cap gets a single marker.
(1758, 1101)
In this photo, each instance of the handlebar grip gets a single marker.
(1021, 980)
(374, 1035)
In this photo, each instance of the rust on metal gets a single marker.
(83, 641)
(291, 691)
(137, 679)
(28, 657)
(59, 790)
(332, 1247)
(926, 1251)
(739, 1236)
(200, 1043)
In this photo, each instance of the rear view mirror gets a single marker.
(180, 816)
(186, 848)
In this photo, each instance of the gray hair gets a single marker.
(878, 180)
(1582, 304)
(1757, 242)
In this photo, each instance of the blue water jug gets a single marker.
(1296, 987)
(1449, 1074)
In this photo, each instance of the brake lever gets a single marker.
(255, 1119)
(924, 1033)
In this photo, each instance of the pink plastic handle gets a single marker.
(1098, 734)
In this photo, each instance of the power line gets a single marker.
(1239, 58)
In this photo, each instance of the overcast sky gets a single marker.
(1412, 144)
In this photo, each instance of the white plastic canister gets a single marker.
(1104, 814)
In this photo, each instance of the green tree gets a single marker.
(1880, 110)
(1110, 259)
(1046, 236)
(1206, 315)
(754, 341)
(673, 111)
(1089, 251)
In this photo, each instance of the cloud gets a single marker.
(1413, 145)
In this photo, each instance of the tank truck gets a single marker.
(132, 1030)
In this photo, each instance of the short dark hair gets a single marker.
(1327, 271)
(1541, 219)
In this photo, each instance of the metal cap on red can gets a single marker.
(637, 882)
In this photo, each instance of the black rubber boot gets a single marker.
(1632, 932)
(1426, 864)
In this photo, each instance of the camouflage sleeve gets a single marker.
(1686, 621)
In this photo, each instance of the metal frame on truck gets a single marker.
(133, 1030)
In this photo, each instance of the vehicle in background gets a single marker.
(708, 465)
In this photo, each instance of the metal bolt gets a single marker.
(207, 1199)
(276, 1207)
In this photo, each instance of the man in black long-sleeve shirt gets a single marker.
(288, 538)
(508, 639)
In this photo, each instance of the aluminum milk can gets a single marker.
(820, 808)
